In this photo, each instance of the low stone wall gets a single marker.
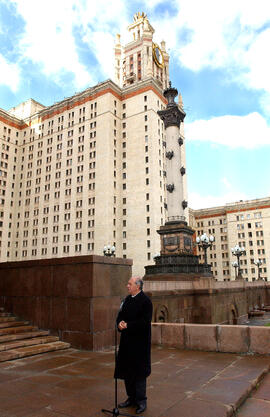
(214, 338)
(206, 301)
(76, 298)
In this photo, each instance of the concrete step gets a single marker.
(32, 350)
(24, 335)
(5, 314)
(258, 403)
(19, 339)
(13, 324)
(17, 329)
(14, 344)
(7, 318)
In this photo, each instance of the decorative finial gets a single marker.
(170, 93)
(139, 16)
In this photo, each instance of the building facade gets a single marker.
(90, 170)
(246, 223)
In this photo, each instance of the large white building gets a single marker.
(243, 223)
(90, 170)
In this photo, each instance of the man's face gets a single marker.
(132, 287)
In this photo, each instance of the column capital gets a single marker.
(172, 116)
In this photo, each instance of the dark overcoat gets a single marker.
(134, 354)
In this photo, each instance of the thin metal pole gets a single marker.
(205, 254)
(115, 356)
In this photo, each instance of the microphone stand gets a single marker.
(115, 412)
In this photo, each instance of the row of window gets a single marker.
(55, 250)
(257, 215)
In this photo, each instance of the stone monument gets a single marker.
(177, 255)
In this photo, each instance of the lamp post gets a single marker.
(109, 250)
(238, 251)
(258, 263)
(235, 265)
(205, 242)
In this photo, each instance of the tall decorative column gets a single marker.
(177, 246)
(172, 117)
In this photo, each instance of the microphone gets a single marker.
(121, 304)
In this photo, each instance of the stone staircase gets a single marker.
(19, 339)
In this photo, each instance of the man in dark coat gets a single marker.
(133, 362)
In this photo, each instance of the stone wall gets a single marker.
(206, 301)
(77, 298)
(215, 338)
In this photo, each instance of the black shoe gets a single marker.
(141, 408)
(126, 403)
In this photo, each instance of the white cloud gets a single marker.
(198, 201)
(228, 194)
(223, 33)
(101, 21)
(250, 131)
(265, 103)
(226, 183)
(232, 36)
(257, 62)
(10, 74)
(49, 38)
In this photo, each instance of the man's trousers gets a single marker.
(136, 390)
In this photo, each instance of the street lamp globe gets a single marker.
(109, 250)
(205, 242)
(238, 251)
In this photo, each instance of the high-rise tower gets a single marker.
(91, 170)
(141, 58)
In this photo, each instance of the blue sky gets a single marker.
(218, 61)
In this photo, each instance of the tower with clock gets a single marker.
(141, 58)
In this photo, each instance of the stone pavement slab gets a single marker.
(75, 383)
(263, 391)
(255, 408)
(259, 403)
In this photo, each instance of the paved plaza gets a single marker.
(75, 383)
(259, 321)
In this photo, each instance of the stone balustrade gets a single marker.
(213, 337)
(204, 283)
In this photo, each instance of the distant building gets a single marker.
(246, 223)
(90, 170)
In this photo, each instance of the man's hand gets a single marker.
(122, 325)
